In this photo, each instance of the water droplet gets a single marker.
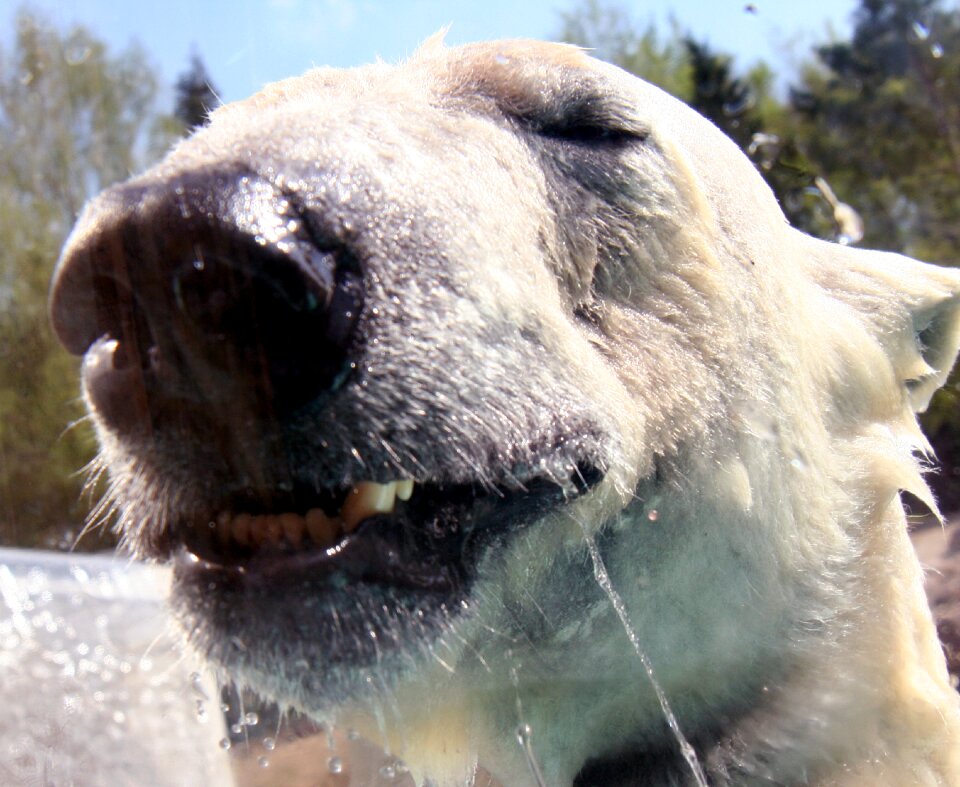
(236, 728)
(224, 707)
(77, 53)
(335, 765)
(936, 51)
(250, 718)
(269, 744)
(263, 762)
(737, 106)
(603, 580)
(920, 31)
(388, 772)
(523, 734)
(653, 515)
(224, 743)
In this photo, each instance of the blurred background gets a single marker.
(850, 110)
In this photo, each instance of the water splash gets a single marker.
(525, 739)
(849, 223)
(524, 730)
(603, 579)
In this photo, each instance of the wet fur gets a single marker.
(749, 391)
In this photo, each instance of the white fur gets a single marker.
(758, 388)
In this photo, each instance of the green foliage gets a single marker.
(73, 119)
(881, 112)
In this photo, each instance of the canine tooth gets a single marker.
(241, 529)
(292, 526)
(404, 489)
(365, 499)
(322, 529)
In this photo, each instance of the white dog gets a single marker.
(490, 397)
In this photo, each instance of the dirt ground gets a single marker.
(939, 551)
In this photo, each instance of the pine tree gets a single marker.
(196, 95)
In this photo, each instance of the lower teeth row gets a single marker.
(364, 500)
(255, 530)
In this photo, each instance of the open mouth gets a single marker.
(416, 535)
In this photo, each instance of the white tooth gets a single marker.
(364, 500)
(404, 489)
(323, 530)
(292, 526)
(241, 529)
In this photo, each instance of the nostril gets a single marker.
(114, 385)
(211, 288)
(280, 323)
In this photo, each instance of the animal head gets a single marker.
(379, 355)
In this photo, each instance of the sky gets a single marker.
(248, 43)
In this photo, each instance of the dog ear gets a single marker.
(912, 308)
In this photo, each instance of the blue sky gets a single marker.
(246, 43)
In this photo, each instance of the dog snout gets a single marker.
(205, 293)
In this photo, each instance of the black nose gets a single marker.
(209, 292)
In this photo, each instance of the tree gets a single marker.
(73, 119)
(881, 112)
(196, 95)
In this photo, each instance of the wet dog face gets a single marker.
(336, 348)
(377, 355)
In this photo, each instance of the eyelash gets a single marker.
(591, 133)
